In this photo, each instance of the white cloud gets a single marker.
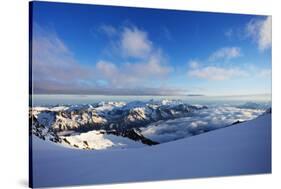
(260, 31)
(107, 68)
(200, 121)
(225, 53)
(216, 73)
(133, 74)
(55, 70)
(108, 30)
(149, 62)
(155, 65)
(135, 43)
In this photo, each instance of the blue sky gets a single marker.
(88, 49)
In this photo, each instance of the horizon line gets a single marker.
(157, 95)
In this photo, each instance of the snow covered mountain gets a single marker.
(64, 124)
(111, 115)
(107, 125)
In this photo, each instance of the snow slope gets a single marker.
(98, 141)
(244, 148)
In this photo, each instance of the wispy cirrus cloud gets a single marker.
(260, 30)
(216, 73)
(224, 72)
(108, 30)
(53, 62)
(225, 53)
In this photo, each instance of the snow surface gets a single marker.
(98, 141)
(240, 149)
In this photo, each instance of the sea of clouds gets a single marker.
(199, 122)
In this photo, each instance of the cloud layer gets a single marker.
(200, 121)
